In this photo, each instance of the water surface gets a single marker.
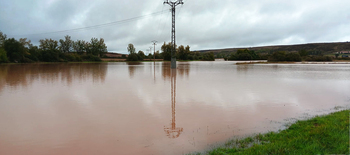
(148, 108)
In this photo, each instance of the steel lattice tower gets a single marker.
(173, 50)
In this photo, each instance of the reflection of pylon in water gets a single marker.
(173, 131)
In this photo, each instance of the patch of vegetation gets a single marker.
(185, 54)
(317, 58)
(320, 135)
(302, 55)
(284, 56)
(310, 48)
(49, 50)
(90, 58)
(343, 58)
(245, 54)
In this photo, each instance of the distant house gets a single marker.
(343, 52)
(115, 55)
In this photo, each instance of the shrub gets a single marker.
(49, 56)
(277, 56)
(90, 58)
(70, 57)
(317, 58)
(208, 56)
(244, 56)
(133, 57)
(293, 57)
(3, 56)
(190, 57)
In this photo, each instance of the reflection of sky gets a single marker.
(213, 101)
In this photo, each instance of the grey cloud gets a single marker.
(201, 24)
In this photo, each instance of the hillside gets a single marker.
(324, 48)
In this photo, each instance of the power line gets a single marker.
(173, 5)
(164, 25)
(97, 26)
(178, 12)
(158, 27)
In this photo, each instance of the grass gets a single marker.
(327, 134)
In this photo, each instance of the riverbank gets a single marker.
(327, 134)
(124, 60)
(303, 62)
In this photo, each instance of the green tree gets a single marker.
(3, 55)
(66, 45)
(232, 56)
(79, 46)
(166, 48)
(131, 49)
(157, 55)
(336, 55)
(294, 56)
(253, 54)
(97, 47)
(141, 55)
(181, 53)
(103, 47)
(3, 37)
(48, 45)
(133, 56)
(209, 56)
(278, 56)
(303, 53)
(34, 53)
(149, 56)
(244, 54)
(49, 50)
(26, 43)
(15, 50)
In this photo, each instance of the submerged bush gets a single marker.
(277, 56)
(244, 54)
(133, 57)
(90, 58)
(318, 58)
(284, 56)
(293, 57)
(208, 56)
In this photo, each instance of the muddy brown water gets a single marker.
(148, 108)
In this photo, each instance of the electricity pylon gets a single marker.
(154, 53)
(173, 50)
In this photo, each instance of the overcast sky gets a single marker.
(201, 24)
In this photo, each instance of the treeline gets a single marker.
(312, 48)
(245, 54)
(303, 55)
(182, 53)
(49, 50)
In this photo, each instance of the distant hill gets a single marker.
(324, 48)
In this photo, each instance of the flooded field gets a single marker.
(148, 108)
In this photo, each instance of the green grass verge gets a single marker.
(327, 134)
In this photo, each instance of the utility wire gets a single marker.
(178, 12)
(98, 26)
(158, 26)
